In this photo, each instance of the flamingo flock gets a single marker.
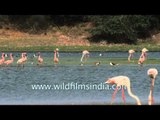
(120, 81)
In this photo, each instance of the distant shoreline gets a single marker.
(93, 48)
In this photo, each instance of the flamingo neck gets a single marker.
(55, 54)
(3, 57)
(132, 95)
(11, 57)
(82, 57)
(129, 57)
(150, 97)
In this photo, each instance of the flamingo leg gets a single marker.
(152, 101)
(114, 94)
(123, 96)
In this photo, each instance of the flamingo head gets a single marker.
(144, 50)
(110, 81)
(38, 53)
(3, 54)
(24, 54)
(131, 51)
(152, 72)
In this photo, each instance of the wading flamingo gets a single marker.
(122, 81)
(7, 62)
(3, 59)
(85, 56)
(56, 56)
(152, 73)
(40, 59)
(143, 56)
(23, 59)
(130, 55)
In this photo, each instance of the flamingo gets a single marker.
(23, 59)
(85, 55)
(130, 55)
(9, 61)
(122, 81)
(3, 59)
(152, 73)
(40, 59)
(143, 56)
(56, 55)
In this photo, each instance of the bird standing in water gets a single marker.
(7, 62)
(85, 56)
(56, 56)
(3, 59)
(23, 59)
(40, 59)
(122, 81)
(143, 57)
(152, 73)
(130, 55)
(112, 64)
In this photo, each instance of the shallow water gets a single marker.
(77, 84)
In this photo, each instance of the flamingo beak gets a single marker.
(151, 76)
(107, 82)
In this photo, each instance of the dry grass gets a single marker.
(65, 36)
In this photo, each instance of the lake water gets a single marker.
(74, 84)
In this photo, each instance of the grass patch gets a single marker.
(118, 48)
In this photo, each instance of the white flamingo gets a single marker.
(122, 81)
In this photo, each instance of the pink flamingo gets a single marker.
(3, 59)
(85, 56)
(122, 81)
(40, 59)
(9, 61)
(56, 55)
(130, 55)
(152, 73)
(143, 56)
(23, 59)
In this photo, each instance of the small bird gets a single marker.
(112, 64)
(97, 63)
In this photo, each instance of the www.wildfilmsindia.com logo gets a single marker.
(75, 86)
